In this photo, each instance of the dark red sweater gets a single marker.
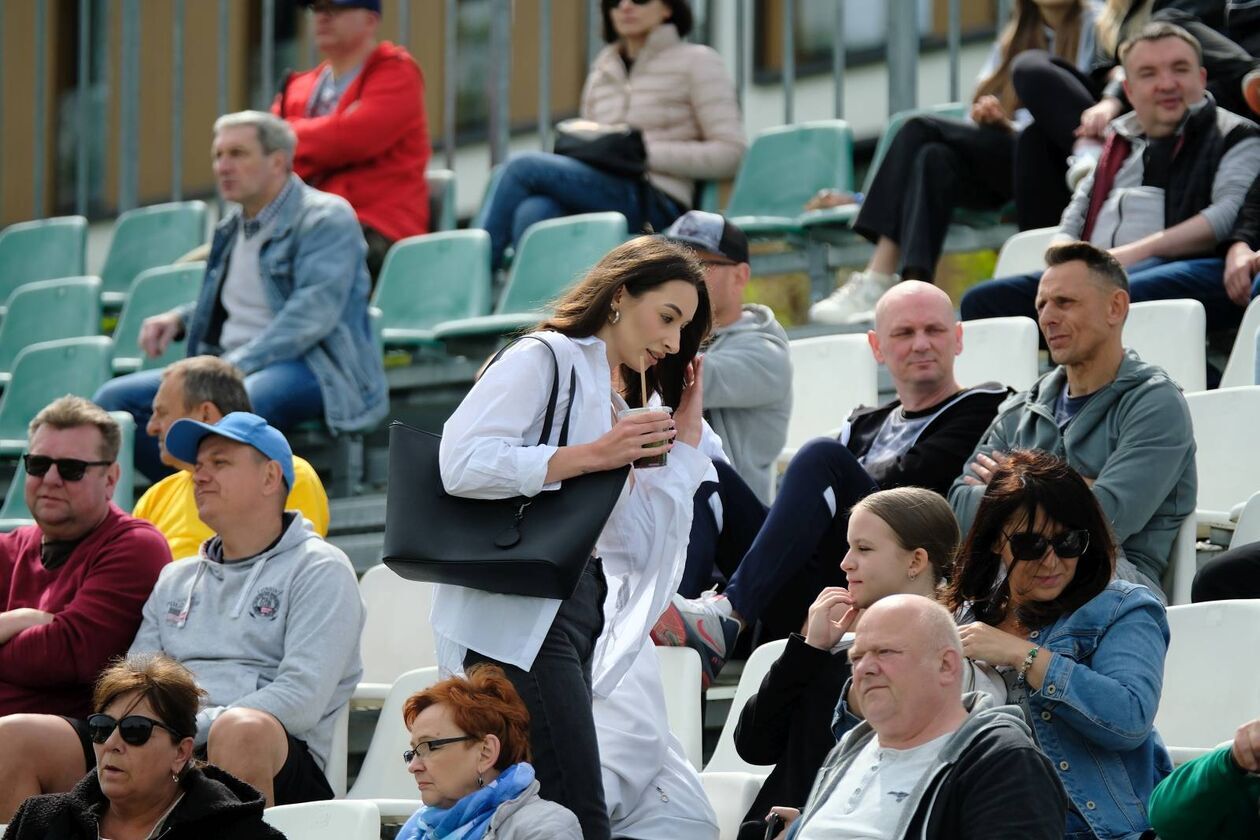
(96, 596)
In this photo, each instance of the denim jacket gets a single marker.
(316, 281)
(1094, 713)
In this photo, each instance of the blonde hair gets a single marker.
(70, 412)
(1025, 32)
(1110, 28)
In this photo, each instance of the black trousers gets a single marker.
(1233, 574)
(557, 692)
(934, 165)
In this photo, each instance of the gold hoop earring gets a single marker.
(615, 317)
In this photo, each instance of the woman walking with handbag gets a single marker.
(641, 311)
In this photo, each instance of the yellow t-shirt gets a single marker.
(170, 506)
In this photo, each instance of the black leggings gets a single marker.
(1234, 574)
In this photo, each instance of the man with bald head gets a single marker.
(778, 559)
(928, 761)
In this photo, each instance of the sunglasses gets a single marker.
(70, 469)
(609, 5)
(425, 748)
(134, 729)
(1029, 545)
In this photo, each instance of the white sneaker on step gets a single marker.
(854, 302)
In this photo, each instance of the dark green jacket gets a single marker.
(1207, 797)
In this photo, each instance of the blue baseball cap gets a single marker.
(185, 436)
(370, 5)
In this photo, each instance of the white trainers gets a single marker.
(854, 302)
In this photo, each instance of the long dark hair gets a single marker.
(1024, 32)
(1027, 482)
(680, 16)
(637, 266)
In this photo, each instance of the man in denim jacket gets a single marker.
(284, 297)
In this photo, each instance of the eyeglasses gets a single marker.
(1030, 545)
(70, 469)
(423, 749)
(134, 729)
(609, 5)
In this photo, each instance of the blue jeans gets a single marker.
(1199, 279)
(535, 186)
(284, 394)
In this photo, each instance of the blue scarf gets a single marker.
(468, 818)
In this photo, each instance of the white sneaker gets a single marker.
(854, 302)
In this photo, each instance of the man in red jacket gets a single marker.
(360, 123)
(72, 586)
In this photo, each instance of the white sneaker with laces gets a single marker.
(854, 302)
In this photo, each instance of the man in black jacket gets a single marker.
(928, 761)
(777, 559)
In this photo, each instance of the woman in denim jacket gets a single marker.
(1082, 654)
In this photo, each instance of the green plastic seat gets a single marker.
(550, 257)
(41, 373)
(441, 184)
(42, 250)
(783, 169)
(148, 237)
(14, 513)
(154, 291)
(45, 311)
(430, 279)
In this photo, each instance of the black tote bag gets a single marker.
(535, 546)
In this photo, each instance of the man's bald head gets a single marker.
(912, 293)
(917, 337)
(932, 627)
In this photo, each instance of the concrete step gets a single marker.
(357, 514)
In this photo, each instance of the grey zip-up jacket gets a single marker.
(278, 632)
(990, 782)
(530, 817)
(1133, 438)
(748, 393)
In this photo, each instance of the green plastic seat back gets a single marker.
(897, 120)
(785, 166)
(42, 372)
(441, 184)
(14, 506)
(47, 310)
(154, 291)
(152, 236)
(552, 255)
(42, 250)
(433, 278)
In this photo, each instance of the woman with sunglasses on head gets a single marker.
(146, 783)
(1081, 653)
(470, 755)
(678, 96)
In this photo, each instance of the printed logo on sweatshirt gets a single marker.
(177, 611)
(266, 604)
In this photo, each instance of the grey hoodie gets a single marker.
(278, 632)
(748, 393)
(1133, 438)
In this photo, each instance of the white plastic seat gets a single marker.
(1182, 564)
(731, 795)
(831, 376)
(1241, 367)
(383, 778)
(1024, 252)
(680, 676)
(1209, 690)
(1227, 458)
(725, 757)
(998, 350)
(339, 753)
(1248, 528)
(334, 819)
(397, 636)
(1173, 335)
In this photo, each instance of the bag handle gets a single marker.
(550, 415)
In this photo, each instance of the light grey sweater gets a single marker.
(278, 632)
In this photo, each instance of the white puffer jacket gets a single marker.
(682, 98)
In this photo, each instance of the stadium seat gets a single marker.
(47, 310)
(339, 753)
(1227, 458)
(725, 757)
(383, 778)
(1024, 253)
(998, 350)
(397, 636)
(550, 257)
(42, 250)
(1241, 367)
(14, 513)
(1208, 688)
(147, 237)
(441, 184)
(44, 371)
(1182, 563)
(831, 376)
(680, 677)
(1173, 335)
(1246, 531)
(154, 291)
(430, 279)
(731, 795)
(334, 819)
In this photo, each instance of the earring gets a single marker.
(175, 778)
(912, 575)
(615, 317)
(480, 781)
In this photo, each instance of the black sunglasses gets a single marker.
(70, 469)
(1030, 545)
(425, 748)
(134, 729)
